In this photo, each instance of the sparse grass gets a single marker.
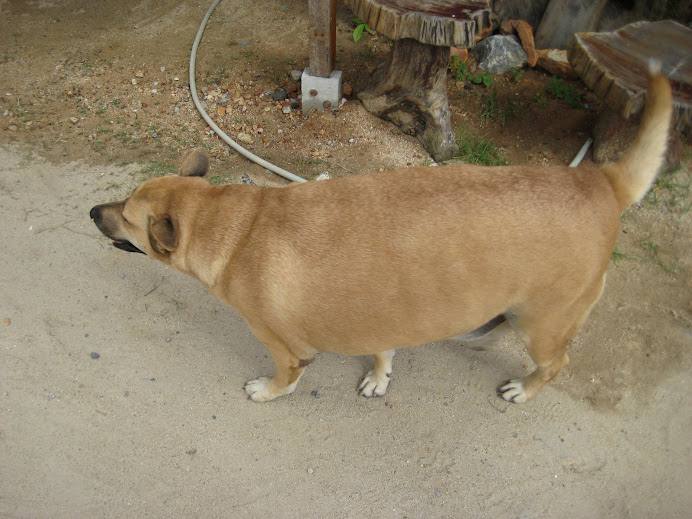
(474, 149)
(655, 254)
(672, 190)
(561, 90)
(540, 100)
(497, 111)
(617, 256)
(156, 168)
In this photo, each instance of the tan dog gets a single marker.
(370, 263)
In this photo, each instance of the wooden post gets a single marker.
(322, 37)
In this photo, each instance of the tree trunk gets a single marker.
(409, 88)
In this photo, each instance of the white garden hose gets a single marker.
(577, 160)
(193, 91)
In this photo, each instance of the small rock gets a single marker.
(12, 127)
(555, 62)
(133, 81)
(244, 137)
(139, 74)
(315, 393)
(244, 43)
(286, 109)
(245, 179)
(74, 120)
(296, 75)
(279, 94)
(346, 90)
(95, 355)
(310, 470)
(163, 69)
(499, 54)
(322, 176)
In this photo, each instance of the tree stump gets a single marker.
(409, 87)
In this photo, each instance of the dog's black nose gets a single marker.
(94, 213)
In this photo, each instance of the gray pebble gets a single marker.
(95, 355)
(279, 94)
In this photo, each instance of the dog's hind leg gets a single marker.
(546, 335)
(376, 381)
(289, 368)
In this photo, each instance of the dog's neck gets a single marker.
(227, 219)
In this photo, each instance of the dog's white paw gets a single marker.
(258, 389)
(373, 385)
(513, 391)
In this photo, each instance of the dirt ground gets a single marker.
(120, 380)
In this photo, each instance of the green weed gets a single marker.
(474, 149)
(460, 71)
(496, 111)
(361, 27)
(560, 90)
(541, 100)
(516, 74)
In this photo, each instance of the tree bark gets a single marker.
(409, 88)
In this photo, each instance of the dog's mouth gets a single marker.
(126, 246)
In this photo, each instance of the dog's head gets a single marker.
(146, 222)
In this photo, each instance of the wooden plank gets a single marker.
(613, 65)
(321, 36)
(445, 23)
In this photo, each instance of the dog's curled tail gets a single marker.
(636, 170)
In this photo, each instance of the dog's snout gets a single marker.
(94, 213)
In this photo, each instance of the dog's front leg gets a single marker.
(376, 381)
(289, 369)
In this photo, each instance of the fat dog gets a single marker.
(371, 263)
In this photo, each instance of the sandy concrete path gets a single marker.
(158, 425)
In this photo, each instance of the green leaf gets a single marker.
(487, 80)
(358, 32)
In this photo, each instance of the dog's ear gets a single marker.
(162, 235)
(196, 164)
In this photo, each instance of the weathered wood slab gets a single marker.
(613, 65)
(446, 23)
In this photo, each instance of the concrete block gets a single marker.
(321, 93)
